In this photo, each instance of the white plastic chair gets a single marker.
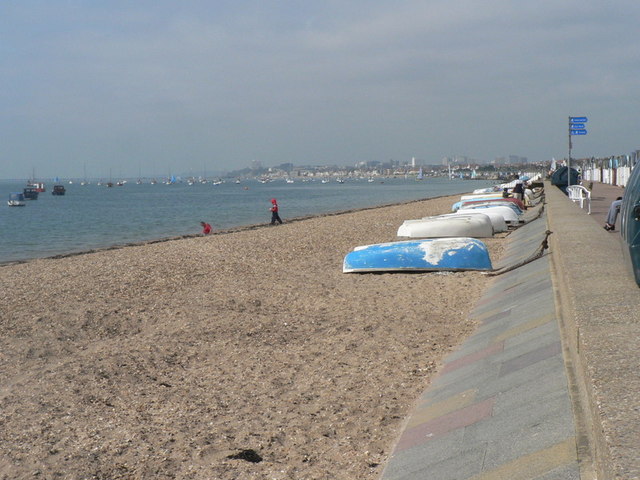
(578, 193)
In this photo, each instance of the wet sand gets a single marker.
(243, 355)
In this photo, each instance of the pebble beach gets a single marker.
(244, 354)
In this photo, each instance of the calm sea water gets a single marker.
(93, 216)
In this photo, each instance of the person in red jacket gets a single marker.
(206, 228)
(274, 212)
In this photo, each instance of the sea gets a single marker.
(93, 216)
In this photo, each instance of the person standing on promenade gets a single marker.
(612, 216)
(206, 228)
(275, 217)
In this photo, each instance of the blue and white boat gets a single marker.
(433, 254)
(16, 200)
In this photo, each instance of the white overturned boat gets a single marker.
(514, 203)
(498, 222)
(442, 226)
(508, 213)
(432, 254)
(487, 190)
(478, 196)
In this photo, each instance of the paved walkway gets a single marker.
(516, 400)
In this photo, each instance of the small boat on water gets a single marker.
(16, 199)
(38, 186)
(30, 193)
(426, 255)
(442, 226)
(58, 190)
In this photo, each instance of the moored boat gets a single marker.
(38, 186)
(16, 199)
(432, 254)
(30, 193)
(58, 190)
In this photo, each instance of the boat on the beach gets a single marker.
(493, 189)
(498, 222)
(58, 190)
(16, 199)
(442, 226)
(510, 214)
(513, 202)
(499, 201)
(432, 254)
(480, 196)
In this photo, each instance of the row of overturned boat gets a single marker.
(448, 242)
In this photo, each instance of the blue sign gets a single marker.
(578, 132)
(578, 119)
(578, 125)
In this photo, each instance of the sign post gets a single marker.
(576, 127)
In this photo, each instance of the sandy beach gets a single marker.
(242, 355)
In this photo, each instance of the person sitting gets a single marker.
(612, 216)
(206, 228)
(518, 189)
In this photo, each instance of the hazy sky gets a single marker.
(154, 86)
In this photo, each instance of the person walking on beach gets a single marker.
(612, 216)
(274, 212)
(206, 228)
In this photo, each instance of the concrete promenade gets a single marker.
(548, 385)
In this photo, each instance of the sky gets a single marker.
(159, 87)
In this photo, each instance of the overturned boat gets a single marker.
(472, 225)
(497, 201)
(433, 254)
(510, 213)
(498, 221)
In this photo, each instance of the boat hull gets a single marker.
(477, 226)
(480, 196)
(497, 220)
(435, 254)
(499, 201)
(16, 200)
(509, 214)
